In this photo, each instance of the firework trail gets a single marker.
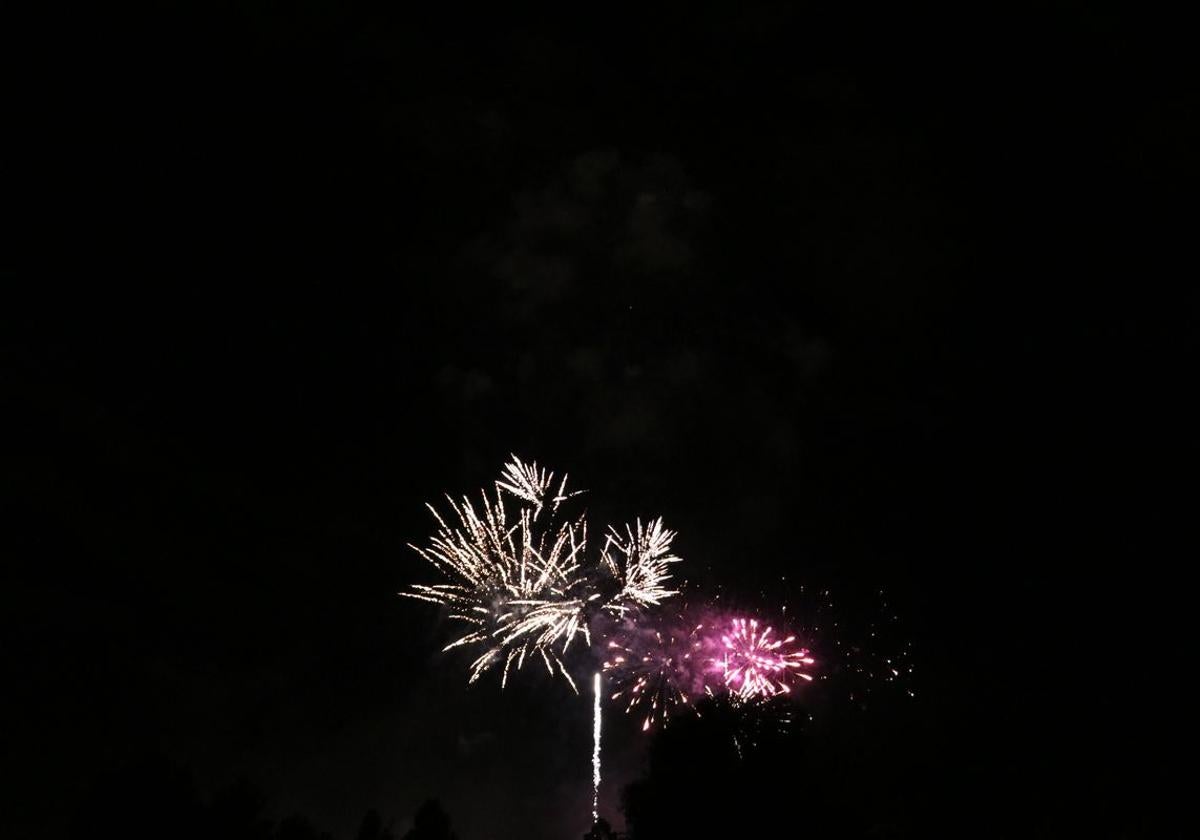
(595, 747)
(520, 575)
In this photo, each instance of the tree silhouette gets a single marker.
(148, 799)
(718, 775)
(600, 830)
(372, 828)
(297, 827)
(153, 798)
(431, 823)
(236, 813)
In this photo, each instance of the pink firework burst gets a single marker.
(753, 664)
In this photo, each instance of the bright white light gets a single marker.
(596, 747)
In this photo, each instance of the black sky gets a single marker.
(870, 300)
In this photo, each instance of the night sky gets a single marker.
(858, 301)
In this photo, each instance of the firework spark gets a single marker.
(754, 664)
(657, 670)
(520, 575)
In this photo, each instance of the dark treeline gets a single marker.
(724, 773)
(728, 773)
(152, 797)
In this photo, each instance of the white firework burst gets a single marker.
(642, 569)
(521, 578)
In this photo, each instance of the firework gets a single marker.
(657, 668)
(753, 663)
(520, 575)
(642, 568)
(661, 664)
